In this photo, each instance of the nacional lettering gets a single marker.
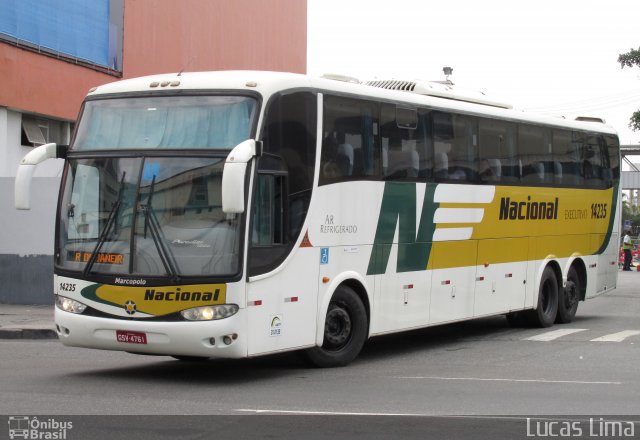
(528, 210)
(179, 295)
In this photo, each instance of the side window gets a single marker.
(404, 142)
(535, 154)
(565, 159)
(498, 160)
(283, 185)
(350, 139)
(455, 141)
(594, 161)
(613, 148)
(269, 221)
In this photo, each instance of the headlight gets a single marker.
(210, 313)
(69, 305)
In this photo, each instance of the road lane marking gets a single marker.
(617, 337)
(554, 334)
(484, 379)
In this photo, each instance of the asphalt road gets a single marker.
(463, 376)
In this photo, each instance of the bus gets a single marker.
(242, 213)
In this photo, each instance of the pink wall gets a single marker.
(165, 36)
(194, 35)
(40, 84)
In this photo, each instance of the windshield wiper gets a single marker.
(111, 220)
(152, 224)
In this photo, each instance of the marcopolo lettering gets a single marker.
(179, 295)
(528, 210)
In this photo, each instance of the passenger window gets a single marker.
(403, 138)
(455, 142)
(613, 149)
(565, 159)
(593, 162)
(349, 140)
(535, 154)
(498, 161)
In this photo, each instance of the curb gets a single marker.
(27, 333)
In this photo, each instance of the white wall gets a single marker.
(25, 232)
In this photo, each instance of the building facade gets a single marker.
(52, 53)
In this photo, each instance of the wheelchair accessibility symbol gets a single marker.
(324, 255)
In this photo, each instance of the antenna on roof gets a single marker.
(447, 73)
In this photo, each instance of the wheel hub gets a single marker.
(337, 328)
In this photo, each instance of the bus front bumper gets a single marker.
(224, 338)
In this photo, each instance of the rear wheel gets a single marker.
(569, 298)
(345, 330)
(545, 313)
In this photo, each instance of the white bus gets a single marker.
(236, 214)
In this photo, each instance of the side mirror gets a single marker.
(233, 176)
(22, 188)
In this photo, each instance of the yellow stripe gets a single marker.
(162, 300)
(577, 230)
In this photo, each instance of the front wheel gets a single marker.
(345, 330)
(569, 298)
(545, 313)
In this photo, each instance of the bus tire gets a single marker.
(345, 331)
(544, 315)
(569, 298)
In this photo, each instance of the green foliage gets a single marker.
(630, 59)
(631, 212)
(634, 123)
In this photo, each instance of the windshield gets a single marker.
(152, 216)
(176, 122)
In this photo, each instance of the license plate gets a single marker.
(131, 337)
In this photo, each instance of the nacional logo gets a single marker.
(448, 213)
(153, 301)
(130, 307)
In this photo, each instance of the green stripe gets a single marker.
(398, 208)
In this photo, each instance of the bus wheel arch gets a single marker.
(573, 292)
(546, 308)
(344, 326)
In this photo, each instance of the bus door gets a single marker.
(282, 308)
(281, 292)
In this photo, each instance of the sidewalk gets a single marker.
(27, 322)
